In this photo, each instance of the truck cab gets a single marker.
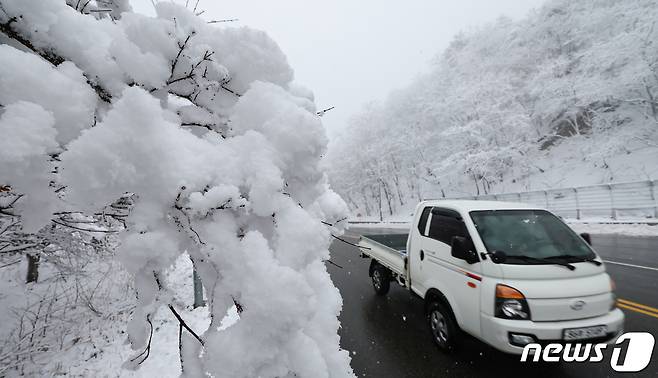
(509, 274)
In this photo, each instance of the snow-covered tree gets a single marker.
(220, 151)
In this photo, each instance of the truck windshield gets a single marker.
(529, 233)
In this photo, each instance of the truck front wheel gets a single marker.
(442, 326)
(381, 279)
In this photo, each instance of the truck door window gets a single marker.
(443, 228)
(423, 220)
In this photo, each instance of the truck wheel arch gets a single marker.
(435, 295)
(373, 264)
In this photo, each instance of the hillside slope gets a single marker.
(566, 96)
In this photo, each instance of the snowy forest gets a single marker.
(134, 148)
(566, 96)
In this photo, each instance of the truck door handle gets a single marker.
(422, 255)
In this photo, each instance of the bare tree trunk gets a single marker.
(388, 196)
(477, 191)
(443, 193)
(411, 186)
(350, 202)
(477, 187)
(486, 185)
(652, 101)
(32, 268)
(378, 195)
(414, 185)
(396, 181)
(365, 201)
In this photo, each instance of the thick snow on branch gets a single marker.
(27, 136)
(222, 151)
(60, 90)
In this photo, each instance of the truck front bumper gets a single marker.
(496, 332)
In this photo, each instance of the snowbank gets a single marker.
(626, 229)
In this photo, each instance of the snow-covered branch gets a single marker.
(220, 151)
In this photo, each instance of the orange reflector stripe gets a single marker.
(507, 292)
(474, 276)
(470, 275)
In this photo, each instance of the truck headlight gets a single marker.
(511, 304)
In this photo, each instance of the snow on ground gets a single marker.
(565, 167)
(627, 229)
(101, 346)
(106, 358)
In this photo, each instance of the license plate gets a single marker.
(585, 332)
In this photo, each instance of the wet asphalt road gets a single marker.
(388, 336)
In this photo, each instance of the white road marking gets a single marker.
(630, 265)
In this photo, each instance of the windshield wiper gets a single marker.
(577, 258)
(545, 260)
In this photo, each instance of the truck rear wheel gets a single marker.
(443, 327)
(381, 279)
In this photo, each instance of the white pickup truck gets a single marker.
(507, 273)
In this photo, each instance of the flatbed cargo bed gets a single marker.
(397, 242)
(388, 249)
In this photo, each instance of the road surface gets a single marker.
(388, 336)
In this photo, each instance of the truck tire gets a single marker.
(381, 279)
(443, 327)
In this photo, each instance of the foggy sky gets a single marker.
(350, 52)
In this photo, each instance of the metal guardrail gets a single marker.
(375, 221)
(618, 201)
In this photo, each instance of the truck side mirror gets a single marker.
(587, 237)
(463, 248)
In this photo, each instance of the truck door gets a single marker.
(414, 249)
(458, 280)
